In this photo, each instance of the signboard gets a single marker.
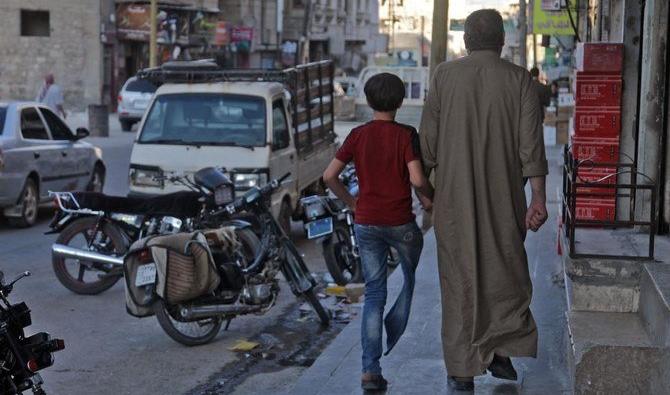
(554, 23)
(132, 22)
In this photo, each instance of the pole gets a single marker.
(534, 50)
(153, 15)
(440, 35)
(523, 34)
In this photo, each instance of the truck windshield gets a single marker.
(206, 119)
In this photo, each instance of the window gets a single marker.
(138, 85)
(32, 126)
(206, 119)
(35, 23)
(59, 130)
(280, 136)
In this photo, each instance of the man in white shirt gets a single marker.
(51, 95)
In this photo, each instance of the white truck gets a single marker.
(256, 124)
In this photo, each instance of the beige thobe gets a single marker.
(481, 134)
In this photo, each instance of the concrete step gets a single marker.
(611, 353)
(654, 308)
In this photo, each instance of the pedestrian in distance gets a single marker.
(51, 95)
(388, 164)
(481, 133)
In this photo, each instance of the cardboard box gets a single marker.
(598, 150)
(549, 118)
(599, 57)
(562, 132)
(597, 90)
(599, 209)
(564, 113)
(596, 175)
(597, 121)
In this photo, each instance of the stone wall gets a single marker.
(72, 51)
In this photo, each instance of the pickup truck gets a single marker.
(256, 124)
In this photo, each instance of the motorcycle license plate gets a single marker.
(320, 227)
(146, 274)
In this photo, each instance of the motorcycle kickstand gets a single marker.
(227, 324)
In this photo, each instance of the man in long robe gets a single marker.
(481, 134)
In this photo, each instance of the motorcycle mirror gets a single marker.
(19, 277)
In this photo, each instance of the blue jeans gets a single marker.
(374, 243)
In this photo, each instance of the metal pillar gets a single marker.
(440, 35)
(153, 50)
(523, 34)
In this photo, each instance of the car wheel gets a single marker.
(97, 180)
(29, 203)
(126, 126)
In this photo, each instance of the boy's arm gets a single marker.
(332, 179)
(421, 184)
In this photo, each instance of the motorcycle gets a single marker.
(248, 278)
(21, 357)
(95, 230)
(329, 219)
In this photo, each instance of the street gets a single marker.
(110, 352)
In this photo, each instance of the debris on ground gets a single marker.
(243, 345)
(336, 290)
(354, 292)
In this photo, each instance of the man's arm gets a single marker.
(532, 155)
(430, 125)
(332, 179)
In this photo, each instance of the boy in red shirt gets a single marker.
(387, 159)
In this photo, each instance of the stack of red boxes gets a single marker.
(597, 123)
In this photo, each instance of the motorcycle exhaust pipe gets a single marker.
(67, 252)
(207, 311)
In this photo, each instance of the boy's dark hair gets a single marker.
(385, 92)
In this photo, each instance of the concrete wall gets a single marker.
(72, 52)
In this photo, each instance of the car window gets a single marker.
(32, 126)
(138, 85)
(59, 130)
(3, 114)
(280, 136)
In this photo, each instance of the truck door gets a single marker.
(283, 158)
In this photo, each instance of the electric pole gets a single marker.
(153, 15)
(523, 33)
(440, 35)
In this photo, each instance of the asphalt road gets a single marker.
(108, 351)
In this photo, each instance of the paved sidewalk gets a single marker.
(416, 366)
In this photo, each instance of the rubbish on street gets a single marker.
(336, 290)
(243, 345)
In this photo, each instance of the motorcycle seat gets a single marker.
(177, 204)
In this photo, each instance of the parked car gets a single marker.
(39, 153)
(258, 125)
(133, 101)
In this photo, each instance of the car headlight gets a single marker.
(249, 180)
(224, 195)
(146, 176)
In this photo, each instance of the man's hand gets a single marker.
(536, 215)
(426, 203)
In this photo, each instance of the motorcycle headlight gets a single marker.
(145, 176)
(250, 180)
(224, 195)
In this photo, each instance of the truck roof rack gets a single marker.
(208, 71)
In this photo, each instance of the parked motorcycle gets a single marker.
(96, 230)
(329, 219)
(248, 277)
(21, 357)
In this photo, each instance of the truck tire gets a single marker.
(284, 218)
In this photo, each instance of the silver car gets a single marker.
(133, 101)
(39, 153)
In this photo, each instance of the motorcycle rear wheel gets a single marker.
(207, 328)
(342, 265)
(83, 227)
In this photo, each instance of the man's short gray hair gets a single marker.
(484, 30)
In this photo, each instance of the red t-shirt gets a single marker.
(381, 151)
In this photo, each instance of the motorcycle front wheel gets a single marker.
(83, 277)
(340, 260)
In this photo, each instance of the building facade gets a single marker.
(59, 37)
